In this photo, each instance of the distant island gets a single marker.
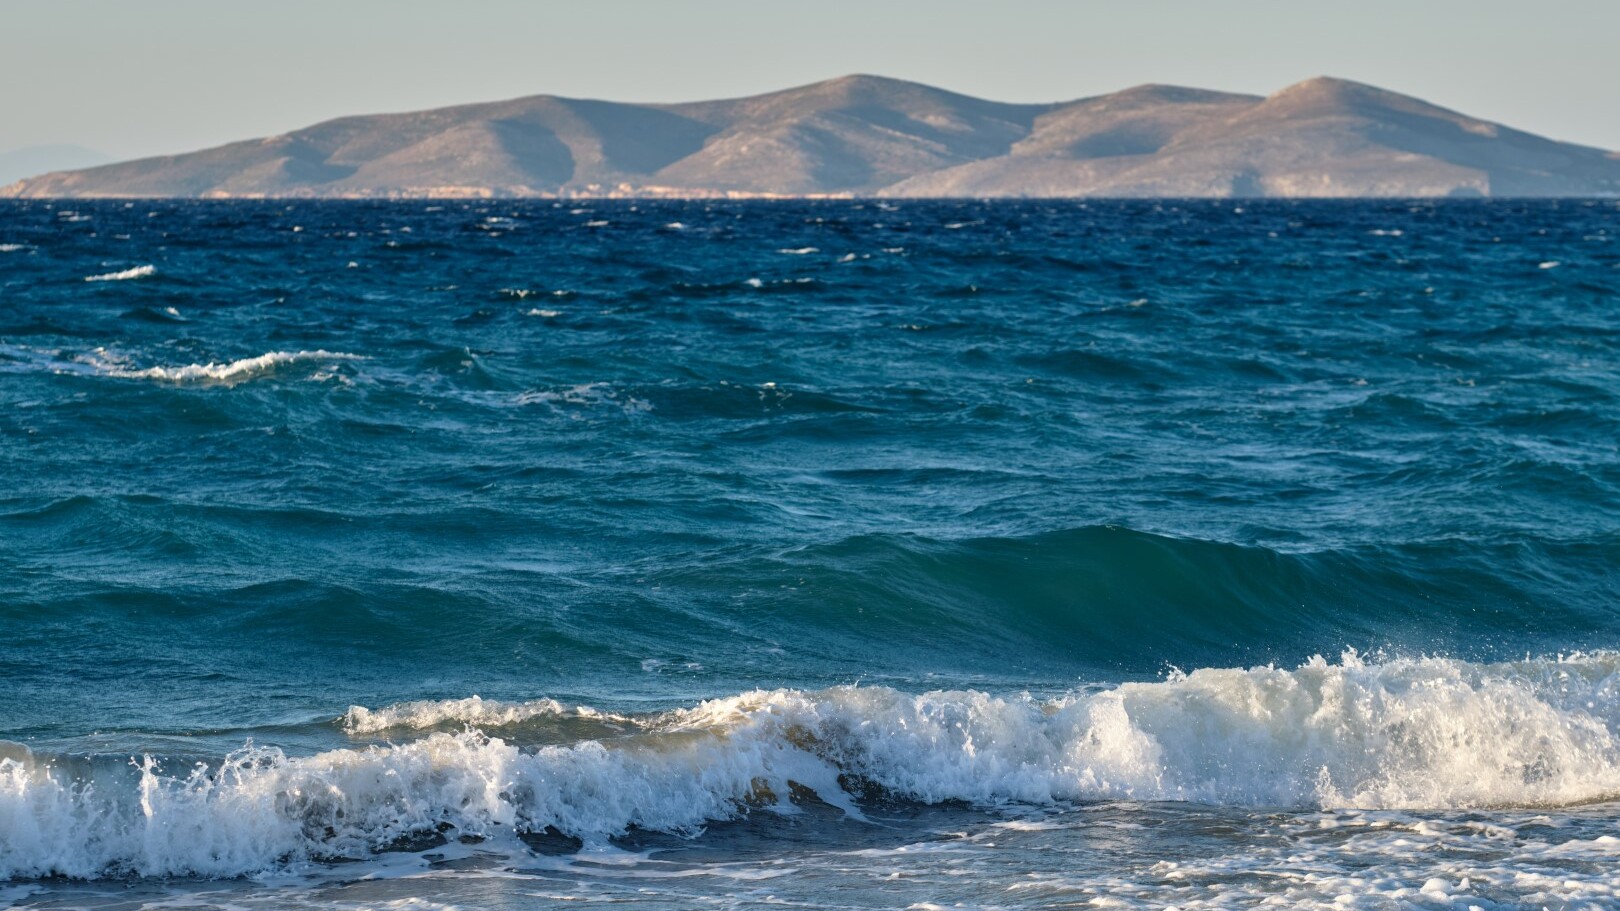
(868, 136)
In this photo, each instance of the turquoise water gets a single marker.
(493, 554)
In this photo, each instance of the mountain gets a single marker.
(19, 163)
(871, 136)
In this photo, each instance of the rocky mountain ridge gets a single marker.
(872, 136)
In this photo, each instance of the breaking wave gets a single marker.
(232, 372)
(473, 711)
(1406, 733)
(137, 272)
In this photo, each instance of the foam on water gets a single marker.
(1404, 733)
(1408, 733)
(474, 711)
(228, 372)
(125, 275)
(584, 395)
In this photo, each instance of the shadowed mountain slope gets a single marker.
(866, 135)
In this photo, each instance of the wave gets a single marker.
(1089, 603)
(473, 711)
(127, 274)
(164, 316)
(1421, 733)
(232, 372)
(1108, 598)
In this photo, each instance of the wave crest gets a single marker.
(232, 372)
(125, 275)
(472, 711)
(1407, 733)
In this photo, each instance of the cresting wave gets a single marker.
(125, 275)
(232, 372)
(472, 711)
(1402, 733)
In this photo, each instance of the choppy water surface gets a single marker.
(843, 555)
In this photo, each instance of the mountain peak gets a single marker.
(1331, 90)
(865, 87)
(868, 80)
(1325, 84)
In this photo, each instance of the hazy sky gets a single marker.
(140, 78)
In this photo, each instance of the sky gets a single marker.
(160, 76)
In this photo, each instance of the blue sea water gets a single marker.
(504, 554)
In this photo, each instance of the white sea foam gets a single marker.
(801, 251)
(1406, 733)
(12, 248)
(584, 395)
(126, 275)
(231, 372)
(473, 711)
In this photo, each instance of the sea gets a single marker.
(846, 554)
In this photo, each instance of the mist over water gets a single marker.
(1189, 554)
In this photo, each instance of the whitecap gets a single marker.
(584, 395)
(126, 275)
(1411, 733)
(800, 251)
(229, 372)
(473, 711)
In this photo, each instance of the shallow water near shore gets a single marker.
(844, 555)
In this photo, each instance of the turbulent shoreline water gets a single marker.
(848, 554)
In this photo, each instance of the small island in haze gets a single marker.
(870, 136)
